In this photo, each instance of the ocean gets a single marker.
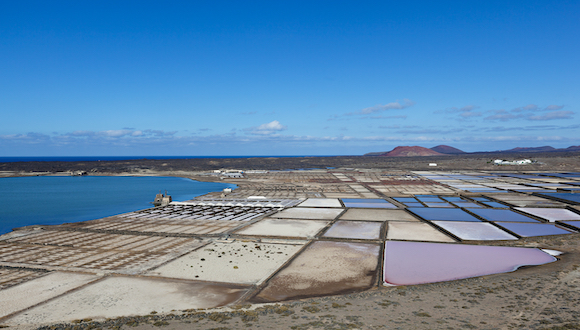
(114, 158)
(52, 200)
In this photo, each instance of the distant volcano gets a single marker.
(535, 149)
(407, 151)
(447, 150)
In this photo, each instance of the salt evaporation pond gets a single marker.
(443, 214)
(410, 263)
(51, 200)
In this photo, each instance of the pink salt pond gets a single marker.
(410, 263)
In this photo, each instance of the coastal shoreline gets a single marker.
(524, 298)
(560, 161)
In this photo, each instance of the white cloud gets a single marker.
(465, 112)
(389, 106)
(553, 115)
(468, 114)
(82, 133)
(115, 133)
(554, 107)
(272, 126)
(390, 117)
(529, 107)
(266, 129)
(470, 107)
(502, 115)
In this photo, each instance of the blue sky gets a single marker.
(286, 77)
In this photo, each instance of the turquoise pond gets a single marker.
(51, 200)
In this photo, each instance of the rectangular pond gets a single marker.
(533, 229)
(444, 214)
(502, 215)
(410, 263)
(475, 231)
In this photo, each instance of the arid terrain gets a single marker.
(535, 297)
(544, 297)
(555, 161)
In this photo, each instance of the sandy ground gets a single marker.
(232, 262)
(34, 292)
(544, 297)
(115, 296)
(412, 230)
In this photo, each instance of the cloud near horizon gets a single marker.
(464, 112)
(266, 129)
(503, 115)
(553, 115)
(379, 108)
(527, 112)
(34, 143)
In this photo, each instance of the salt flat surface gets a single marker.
(321, 202)
(405, 199)
(234, 262)
(364, 200)
(368, 203)
(324, 268)
(414, 204)
(495, 204)
(125, 296)
(474, 231)
(30, 293)
(439, 205)
(308, 213)
(575, 223)
(377, 215)
(409, 263)
(430, 199)
(467, 204)
(371, 205)
(284, 227)
(454, 199)
(444, 214)
(533, 229)
(355, 230)
(502, 215)
(535, 203)
(415, 231)
(551, 214)
(566, 196)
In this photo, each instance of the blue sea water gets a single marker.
(51, 200)
(114, 158)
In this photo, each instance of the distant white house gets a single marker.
(232, 175)
(513, 162)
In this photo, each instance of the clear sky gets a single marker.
(286, 77)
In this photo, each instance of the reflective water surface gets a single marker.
(443, 214)
(502, 215)
(409, 263)
(533, 229)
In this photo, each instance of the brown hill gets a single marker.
(533, 149)
(447, 150)
(573, 148)
(411, 151)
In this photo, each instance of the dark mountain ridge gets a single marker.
(405, 151)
